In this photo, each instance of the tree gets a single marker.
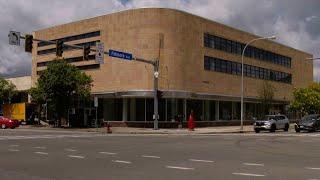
(7, 90)
(306, 100)
(59, 84)
(266, 95)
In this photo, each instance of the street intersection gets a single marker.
(76, 155)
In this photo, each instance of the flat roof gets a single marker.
(22, 83)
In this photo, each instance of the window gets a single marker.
(66, 48)
(239, 69)
(217, 43)
(72, 38)
(230, 67)
(229, 46)
(206, 63)
(68, 60)
(239, 48)
(234, 68)
(223, 44)
(234, 47)
(217, 66)
(223, 66)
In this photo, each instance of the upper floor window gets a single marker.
(234, 47)
(230, 67)
(72, 38)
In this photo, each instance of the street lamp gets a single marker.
(242, 55)
(312, 59)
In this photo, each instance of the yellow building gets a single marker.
(199, 66)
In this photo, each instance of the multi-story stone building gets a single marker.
(200, 66)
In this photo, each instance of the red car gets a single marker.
(8, 123)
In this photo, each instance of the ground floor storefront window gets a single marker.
(174, 109)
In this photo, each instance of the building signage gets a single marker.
(119, 54)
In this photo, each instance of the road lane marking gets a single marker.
(201, 160)
(13, 150)
(181, 168)
(109, 153)
(40, 147)
(249, 174)
(14, 145)
(124, 162)
(79, 157)
(71, 150)
(147, 156)
(313, 168)
(42, 153)
(252, 164)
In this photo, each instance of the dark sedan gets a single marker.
(308, 123)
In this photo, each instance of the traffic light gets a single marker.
(59, 50)
(159, 94)
(28, 43)
(86, 52)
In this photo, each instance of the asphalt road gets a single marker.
(43, 155)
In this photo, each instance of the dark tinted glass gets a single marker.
(234, 47)
(230, 67)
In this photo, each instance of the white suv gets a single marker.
(272, 123)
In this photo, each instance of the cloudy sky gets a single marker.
(294, 22)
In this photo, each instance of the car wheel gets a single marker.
(3, 126)
(286, 127)
(273, 128)
(257, 130)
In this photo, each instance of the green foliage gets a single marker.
(7, 90)
(266, 95)
(59, 84)
(306, 100)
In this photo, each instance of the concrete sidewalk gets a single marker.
(131, 130)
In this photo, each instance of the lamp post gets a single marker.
(312, 59)
(242, 55)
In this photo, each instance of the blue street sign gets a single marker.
(119, 54)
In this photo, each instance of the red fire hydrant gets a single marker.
(191, 123)
(109, 128)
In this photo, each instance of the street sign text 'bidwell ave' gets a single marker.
(119, 54)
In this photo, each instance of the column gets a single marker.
(125, 109)
(185, 110)
(217, 111)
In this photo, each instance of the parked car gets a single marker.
(272, 123)
(308, 123)
(8, 123)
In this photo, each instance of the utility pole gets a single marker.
(155, 94)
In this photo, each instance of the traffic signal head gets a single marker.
(59, 46)
(28, 43)
(86, 52)
(159, 94)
